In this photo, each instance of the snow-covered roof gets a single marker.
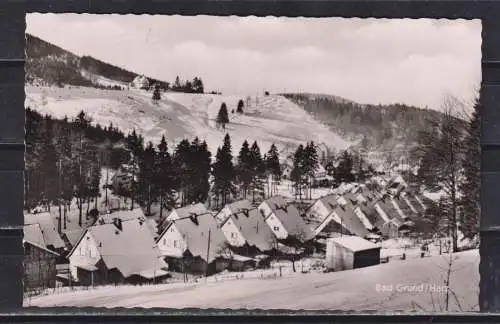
(33, 234)
(48, 228)
(350, 220)
(254, 229)
(241, 258)
(73, 236)
(353, 243)
(124, 215)
(152, 273)
(186, 211)
(386, 204)
(40, 247)
(195, 231)
(290, 217)
(237, 206)
(329, 201)
(131, 249)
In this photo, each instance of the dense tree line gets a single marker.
(379, 126)
(188, 86)
(64, 160)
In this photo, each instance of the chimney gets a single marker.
(194, 219)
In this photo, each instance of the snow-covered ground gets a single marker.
(270, 119)
(413, 285)
(285, 189)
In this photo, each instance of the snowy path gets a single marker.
(347, 290)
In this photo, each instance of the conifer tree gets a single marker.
(135, 147)
(147, 176)
(470, 201)
(223, 172)
(198, 85)
(273, 168)
(344, 170)
(165, 177)
(310, 164)
(244, 168)
(183, 170)
(177, 84)
(297, 174)
(223, 116)
(258, 169)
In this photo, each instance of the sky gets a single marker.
(417, 62)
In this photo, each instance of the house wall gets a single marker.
(274, 223)
(233, 234)
(389, 230)
(338, 258)
(101, 276)
(39, 268)
(318, 211)
(86, 248)
(277, 227)
(171, 243)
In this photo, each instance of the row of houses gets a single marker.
(126, 246)
(367, 213)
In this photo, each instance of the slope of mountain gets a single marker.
(49, 64)
(286, 119)
(270, 119)
(384, 128)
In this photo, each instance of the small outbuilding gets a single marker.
(350, 252)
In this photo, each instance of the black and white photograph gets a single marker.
(237, 163)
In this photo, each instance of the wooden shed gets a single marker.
(350, 252)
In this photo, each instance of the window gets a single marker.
(233, 235)
(175, 243)
(164, 242)
(276, 228)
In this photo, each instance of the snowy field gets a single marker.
(413, 285)
(270, 119)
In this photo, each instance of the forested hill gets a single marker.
(54, 65)
(377, 126)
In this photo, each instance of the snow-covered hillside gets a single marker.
(413, 285)
(270, 119)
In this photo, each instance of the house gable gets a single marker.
(232, 233)
(171, 242)
(172, 216)
(223, 215)
(85, 252)
(277, 226)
